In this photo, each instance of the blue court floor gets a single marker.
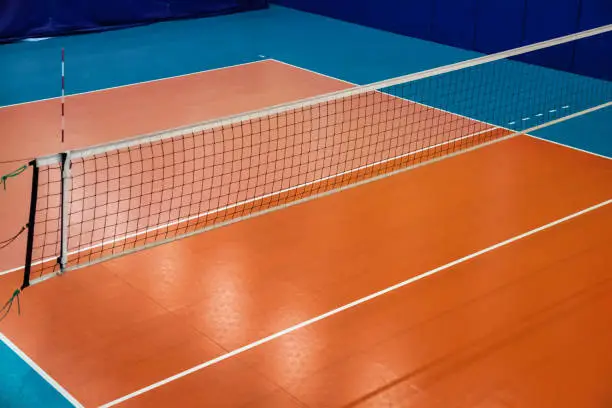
(31, 71)
(23, 387)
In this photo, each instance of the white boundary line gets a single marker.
(312, 71)
(603, 106)
(569, 146)
(528, 132)
(137, 83)
(24, 357)
(350, 305)
(18, 268)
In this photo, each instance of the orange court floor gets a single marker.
(503, 254)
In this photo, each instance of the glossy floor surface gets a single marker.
(492, 330)
(525, 323)
(496, 329)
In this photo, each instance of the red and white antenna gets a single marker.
(63, 97)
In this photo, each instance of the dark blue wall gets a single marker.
(36, 18)
(488, 25)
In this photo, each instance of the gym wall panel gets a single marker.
(595, 13)
(347, 10)
(23, 16)
(29, 18)
(87, 15)
(593, 57)
(454, 23)
(407, 17)
(499, 25)
(487, 25)
(546, 19)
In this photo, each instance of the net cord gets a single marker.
(31, 221)
(230, 120)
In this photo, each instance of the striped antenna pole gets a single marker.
(63, 97)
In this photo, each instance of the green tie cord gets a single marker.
(7, 306)
(13, 174)
(7, 242)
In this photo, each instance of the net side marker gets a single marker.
(63, 98)
(351, 305)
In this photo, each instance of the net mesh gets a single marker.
(123, 197)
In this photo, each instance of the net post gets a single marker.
(31, 221)
(65, 213)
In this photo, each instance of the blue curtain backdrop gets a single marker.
(487, 26)
(38, 18)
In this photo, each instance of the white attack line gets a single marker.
(348, 306)
(24, 357)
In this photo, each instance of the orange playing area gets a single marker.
(501, 256)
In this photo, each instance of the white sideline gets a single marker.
(569, 146)
(23, 356)
(350, 305)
